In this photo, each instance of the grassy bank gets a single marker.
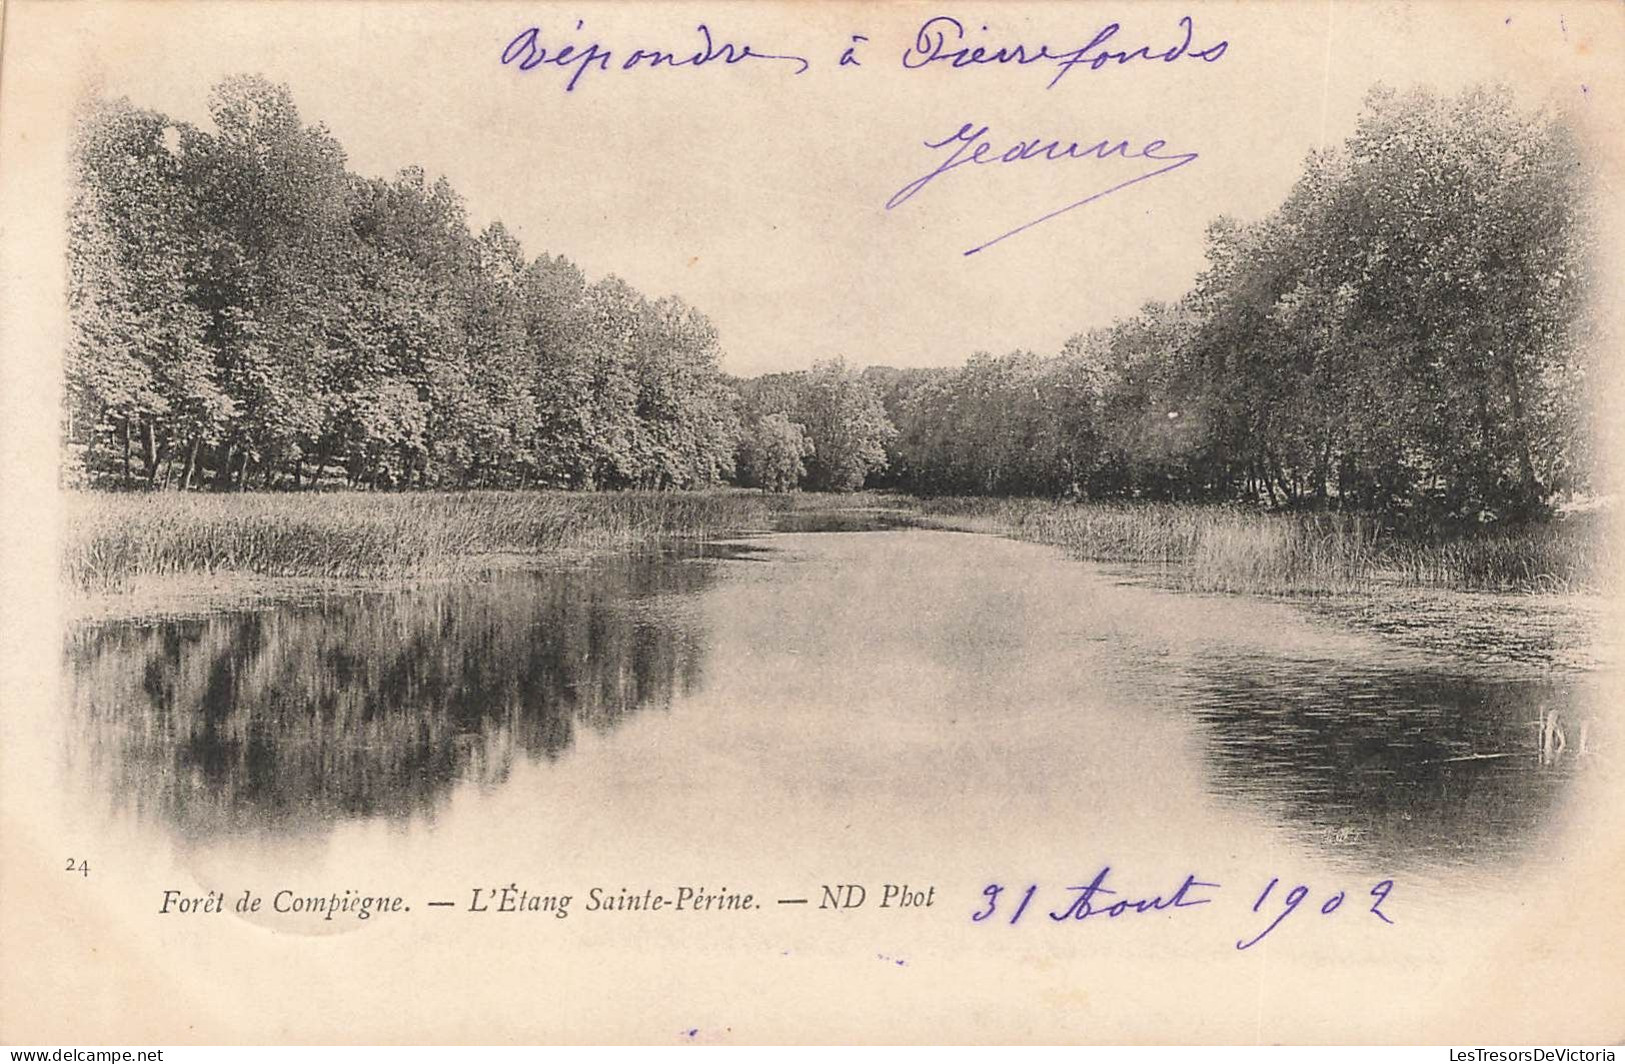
(112, 540)
(1224, 548)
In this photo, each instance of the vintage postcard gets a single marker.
(773, 522)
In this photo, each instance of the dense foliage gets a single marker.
(1403, 335)
(836, 409)
(773, 453)
(246, 310)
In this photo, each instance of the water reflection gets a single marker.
(957, 650)
(1392, 764)
(846, 519)
(376, 705)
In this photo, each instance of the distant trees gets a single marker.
(836, 409)
(244, 310)
(773, 454)
(847, 424)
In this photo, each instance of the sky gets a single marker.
(759, 194)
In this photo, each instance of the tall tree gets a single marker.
(138, 363)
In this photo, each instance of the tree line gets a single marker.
(1405, 333)
(244, 310)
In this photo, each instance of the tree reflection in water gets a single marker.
(1387, 761)
(376, 704)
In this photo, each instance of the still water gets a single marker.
(825, 707)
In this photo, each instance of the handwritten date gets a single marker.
(1095, 899)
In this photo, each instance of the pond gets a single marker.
(789, 714)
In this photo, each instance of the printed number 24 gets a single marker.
(82, 867)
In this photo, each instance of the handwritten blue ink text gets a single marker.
(969, 145)
(941, 40)
(527, 52)
(1095, 899)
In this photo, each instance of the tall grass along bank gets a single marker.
(1230, 548)
(112, 539)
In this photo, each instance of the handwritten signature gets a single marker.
(1094, 899)
(970, 145)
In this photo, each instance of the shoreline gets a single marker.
(1521, 630)
(1514, 628)
(181, 596)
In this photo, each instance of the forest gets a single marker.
(1405, 335)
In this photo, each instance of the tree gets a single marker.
(273, 223)
(138, 366)
(688, 430)
(773, 454)
(847, 425)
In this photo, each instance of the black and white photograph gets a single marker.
(787, 523)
